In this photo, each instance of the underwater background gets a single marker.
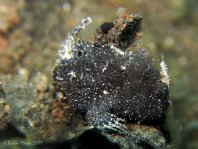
(33, 115)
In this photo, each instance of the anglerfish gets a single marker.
(109, 81)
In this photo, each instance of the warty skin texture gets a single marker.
(109, 85)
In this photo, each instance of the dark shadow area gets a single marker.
(10, 132)
(90, 139)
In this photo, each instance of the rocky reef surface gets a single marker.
(34, 114)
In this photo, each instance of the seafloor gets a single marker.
(33, 115)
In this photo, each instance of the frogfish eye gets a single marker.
(79, 53)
